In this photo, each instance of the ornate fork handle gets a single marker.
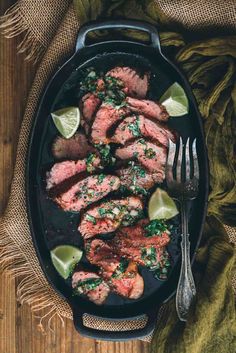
(186, 289)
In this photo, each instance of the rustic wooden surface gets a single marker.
(18, 328)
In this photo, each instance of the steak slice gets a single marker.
(136, 126)
(100, 253)
(76, 147)
(132, 243)
(89, 104)
(105, 118)
(87, 191)
(109, 215)
(122, 276)
(148, 154)
(128, 284)
(62, 171)
(90, 285)
(148, 108)
(138, 179)
(137, 86)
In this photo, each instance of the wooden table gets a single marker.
(18, 328)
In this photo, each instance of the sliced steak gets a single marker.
(90, 285)
(100, 253)
(76, 147)
(129, 284)
(133, 243)
(148, 108)
(136, 126)
(138, 179)
(122, 276)
(89, 104)
(109, 215)
(137, 86)
(106, 116)
(127, 130)
(148, 154)
(62, 171)
(87, 191)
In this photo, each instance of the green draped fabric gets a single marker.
(210, 66)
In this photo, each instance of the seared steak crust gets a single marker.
(77, 147)
(137, 179)
(90, 285)
(137, 126)
(62, 171)
(109, 215)
(122, 277)
(136, 85)
(148, 108)
(105, 118)
(133, 243)
(87, 191)
(89, 105)
(148, 154)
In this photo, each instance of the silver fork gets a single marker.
(183, 188)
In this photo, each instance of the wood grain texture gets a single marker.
(19, 332)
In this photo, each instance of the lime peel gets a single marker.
(67, 121)
(65, 258)
(175, 100)
(161, 206)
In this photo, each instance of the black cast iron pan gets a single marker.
(50, 226)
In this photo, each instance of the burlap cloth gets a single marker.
(16, 248)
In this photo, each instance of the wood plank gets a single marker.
(122, 347)
(7, 315)
(19, 331)
(15, 82)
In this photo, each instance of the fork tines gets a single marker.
(182, 157)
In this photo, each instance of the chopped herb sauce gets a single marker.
(163, 270)
(121, 268)
(89, 162)
(134, 128)
(87, 285)
(91, 218)
(105, 153)
(155, 227)
(149, 153)
(101, 178)
(149, 256)
(102, 211)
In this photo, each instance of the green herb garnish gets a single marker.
(105, 153)
(87, 285)
(101, 178)
(138, 190)
(149, 153)
(89, 162)
(89, 82)
(134, 128)
(137, 169)
(102, 211)
(155, 227)
(163, 270)
(149, 256)
(121, 268)
(91, 218)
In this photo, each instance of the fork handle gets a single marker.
(186, 289)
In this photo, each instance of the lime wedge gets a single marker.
(67, 121)
(175, 101)
(161, 206)
(64, 259)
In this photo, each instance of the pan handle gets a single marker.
(118, 24)
(115, 335)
